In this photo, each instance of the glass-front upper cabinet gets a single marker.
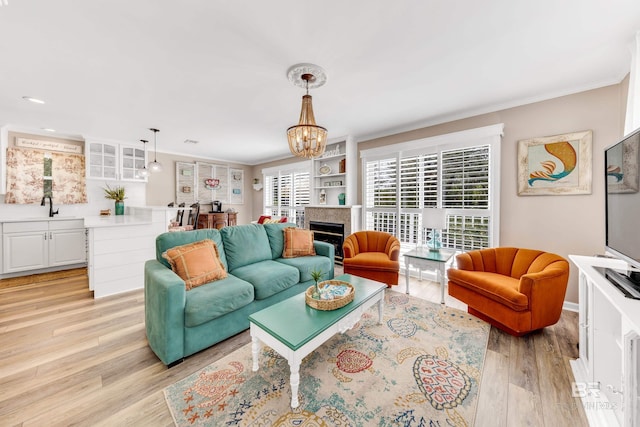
(132, 159)
(103, 160)
(113, 161)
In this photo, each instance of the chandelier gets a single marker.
(306, 139)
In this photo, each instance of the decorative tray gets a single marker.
(337, 293)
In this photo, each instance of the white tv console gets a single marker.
(608, 368)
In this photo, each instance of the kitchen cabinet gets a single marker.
(33, 245)
(114, 161)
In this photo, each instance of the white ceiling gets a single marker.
(215, 71)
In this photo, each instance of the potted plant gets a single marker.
(117, 195)
(316, 275)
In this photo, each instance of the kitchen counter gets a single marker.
(115, 220)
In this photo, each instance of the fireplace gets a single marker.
(329, 232)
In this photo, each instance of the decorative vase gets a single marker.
(119, 208)
(316, 292)
(341, 198)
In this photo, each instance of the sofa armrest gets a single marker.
(349, 250)
(545, 291)
(164, 303)
(324, 249)
(394, 249)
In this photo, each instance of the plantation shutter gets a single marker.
(286, 192)
(459, 172)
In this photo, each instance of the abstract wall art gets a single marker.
(555, 165)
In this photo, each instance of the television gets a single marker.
(622, 201)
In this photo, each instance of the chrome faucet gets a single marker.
(51, 212)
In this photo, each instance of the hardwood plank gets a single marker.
(522, 363)
(492, 400)
(524, 409)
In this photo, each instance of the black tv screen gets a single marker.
(623, 199)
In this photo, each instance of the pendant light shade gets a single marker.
(143, 172)
(307, 139)
(155, 166)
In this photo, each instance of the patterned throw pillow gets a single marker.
(196, 263)
(263, 218)
(297, 242)
(271, 221)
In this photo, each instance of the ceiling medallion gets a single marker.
(306, 139)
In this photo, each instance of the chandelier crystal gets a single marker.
(306, 139)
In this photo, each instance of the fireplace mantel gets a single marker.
(349, 215)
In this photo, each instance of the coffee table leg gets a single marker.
(440, 273)
(381, 309)
(255, 349)
(406, 273)
(294, 365)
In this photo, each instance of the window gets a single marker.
(458, 172)
(286, 191)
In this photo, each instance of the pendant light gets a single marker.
(155, 166)
(143, 172)
(306, 139)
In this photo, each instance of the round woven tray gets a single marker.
(330, 304)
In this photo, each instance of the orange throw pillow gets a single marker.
(196, 263)
(297, 242)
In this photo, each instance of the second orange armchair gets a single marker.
(373, 255)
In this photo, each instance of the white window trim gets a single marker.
(487, 135)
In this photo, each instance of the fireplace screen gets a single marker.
(329, 232)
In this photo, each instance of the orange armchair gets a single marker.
(372, 254)
(516, 290)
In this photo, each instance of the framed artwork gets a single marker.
(622, 168)
(236, 186)
(555, 165)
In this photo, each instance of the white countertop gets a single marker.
(43, 218)
(114, 221)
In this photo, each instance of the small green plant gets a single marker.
(116, 193)
(316, 275)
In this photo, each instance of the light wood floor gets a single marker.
(67, 359)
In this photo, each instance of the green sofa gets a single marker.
(181, 323)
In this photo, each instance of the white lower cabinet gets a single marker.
(33, 245)
(607, 373)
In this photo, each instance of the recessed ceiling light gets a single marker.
(35, 100)
(190, 141)
(48, 129)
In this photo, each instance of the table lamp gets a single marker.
(436, 220)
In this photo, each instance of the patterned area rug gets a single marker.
(421, 367)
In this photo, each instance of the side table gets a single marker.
(425, 259)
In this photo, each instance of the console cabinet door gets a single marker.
(67, 247)
(25, 251)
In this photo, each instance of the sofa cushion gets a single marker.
(213, 300)
(196, 263)
(307, 264)
(268, 277)
(172, 239)
(297, 242)
(276, 237)
(497, 287)
(371, 261)
(245, 245)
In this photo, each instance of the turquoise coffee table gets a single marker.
(294, 329)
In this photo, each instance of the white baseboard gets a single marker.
(571, 306)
